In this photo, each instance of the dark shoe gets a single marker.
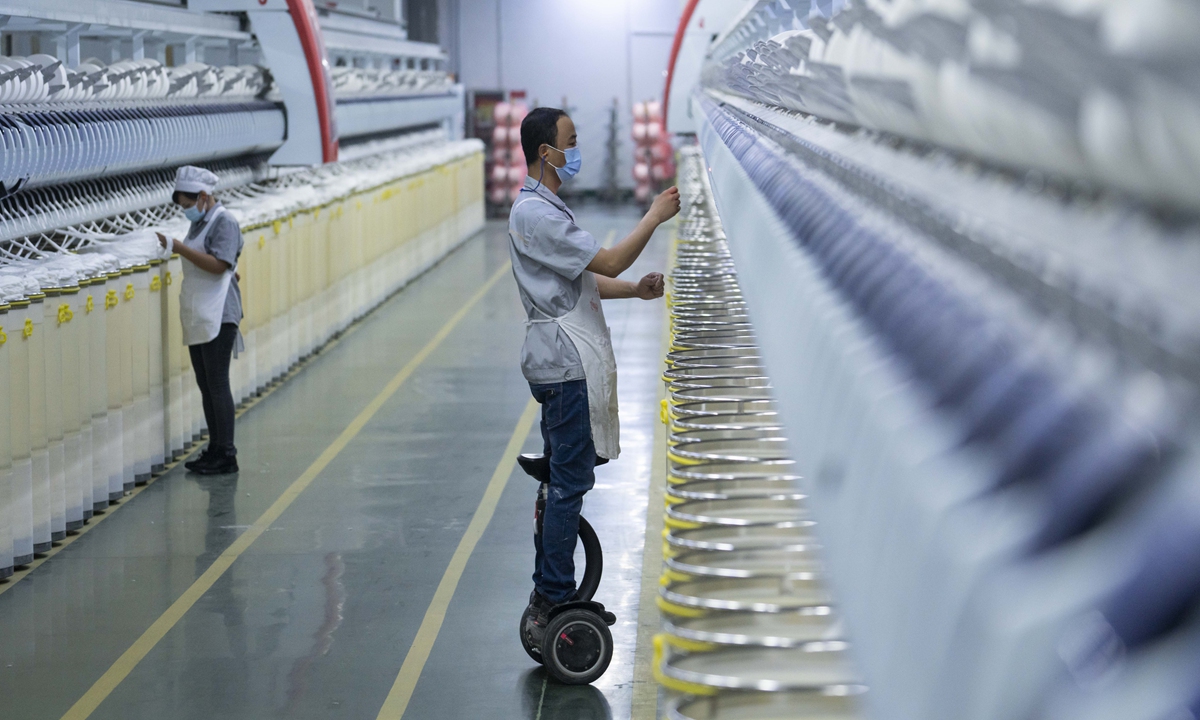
(219, 465)
(537, 617)
(204, 458)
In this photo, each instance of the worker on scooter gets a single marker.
(562, 274)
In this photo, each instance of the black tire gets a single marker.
(594, 556)
(577, 647)
(531, 650)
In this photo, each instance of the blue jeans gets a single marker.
(567, 438)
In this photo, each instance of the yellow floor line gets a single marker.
(156, 632)
(644, 705)
(414, 662)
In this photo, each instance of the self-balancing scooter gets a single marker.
(576, 646)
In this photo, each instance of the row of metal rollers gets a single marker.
(749, 631)
(97, 393)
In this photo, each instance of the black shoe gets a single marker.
(204, 458)
(219, 465)
(537, 617)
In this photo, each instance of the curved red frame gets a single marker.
(679, 33)
(304, 15)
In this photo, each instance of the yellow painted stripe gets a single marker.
(414, 662)
(156, 632)
(645, 689)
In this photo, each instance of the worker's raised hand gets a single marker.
(162, 240)
(665, 206)
(651, 286)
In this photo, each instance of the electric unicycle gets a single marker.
(576, 645)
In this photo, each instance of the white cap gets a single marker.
(191, 179)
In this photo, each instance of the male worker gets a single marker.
(562, 274)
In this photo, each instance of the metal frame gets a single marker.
(105, 16)
(139, 29)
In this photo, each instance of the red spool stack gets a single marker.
(508, 169)
(653, 156)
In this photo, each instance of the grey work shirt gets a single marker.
(549, 254)
(224, 242)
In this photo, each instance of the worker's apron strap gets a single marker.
(543, 320)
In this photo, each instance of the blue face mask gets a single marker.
(193, 213)
(574, 162)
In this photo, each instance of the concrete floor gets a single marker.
(315, 619)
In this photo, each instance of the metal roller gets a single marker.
(733, 489)
(832, 704)
(726, 538)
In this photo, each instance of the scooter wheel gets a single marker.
(531, 649)
(577, 647)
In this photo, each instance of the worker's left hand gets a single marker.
(650, 287)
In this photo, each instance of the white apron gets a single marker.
(585, 325)
(202, 294)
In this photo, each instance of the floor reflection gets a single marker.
(545, 699)
(232, 672)
(335, 603)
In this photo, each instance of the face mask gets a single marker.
(574, 161)
(193, 213)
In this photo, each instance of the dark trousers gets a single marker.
(567, 438)
(211, 363)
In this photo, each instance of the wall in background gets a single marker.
(583, 53)
(421, 17)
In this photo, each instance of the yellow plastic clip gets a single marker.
(169, 278)
(89, 304)
(679, 459)
(670, 576)
(3, 335)
(28, 331)
(155, 283)
(262, 241)
(680, 524)
(692, 646)
(663, 414)
(64, 314)
(290, 219)
(110, 299)
(278, 225)
(316, 214)
(129, 291)
(661, 642)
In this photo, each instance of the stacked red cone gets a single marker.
(508, 160)
(654, 158)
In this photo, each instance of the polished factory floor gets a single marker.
(315, 618)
